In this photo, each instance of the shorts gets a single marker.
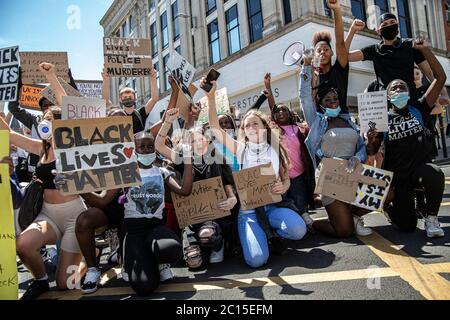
(63, 217)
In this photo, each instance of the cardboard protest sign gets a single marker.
(51, 96)
(9, 73)
(82, 108)
(30, 96)
(222, 106)
(9, 289)
(96, 154)
(201, 205)
(29, 63)
(185, 101)
(127, 57)
(90, 89)
(373, 111)
(366, 187)
(254, 186)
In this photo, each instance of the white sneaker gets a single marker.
(91, 281)
(308, 220)
(165, 273)
(433, 228)
(125, 276)
(216, 256)
(360, 229)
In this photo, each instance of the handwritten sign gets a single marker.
(96, 154)
(254, 186)
(51, 95)
(373, 111)
(82, 108)
(222, 106)
(9, 73)
(366, 187)
(9, 289)
(201, 205)
(127, 57)
(30, 96)
(90, 89)
(29, 62)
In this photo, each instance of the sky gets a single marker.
(55, 25)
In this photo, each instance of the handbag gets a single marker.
(32, 203)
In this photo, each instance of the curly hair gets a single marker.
(322, 36)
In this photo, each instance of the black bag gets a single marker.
(32, 203)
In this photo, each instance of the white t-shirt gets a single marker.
(253, 155)
(147, 200)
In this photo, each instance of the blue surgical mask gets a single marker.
(332, 113)
(400, 100)
(146, 159)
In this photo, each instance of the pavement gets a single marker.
(387, 265)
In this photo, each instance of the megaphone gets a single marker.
(294, 54)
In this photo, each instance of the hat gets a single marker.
(44, 102)
(386, 16)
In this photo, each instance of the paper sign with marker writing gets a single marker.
(222, 106)
(82, 108)
(90, 89)
(9, 289)
(201, 205)
(29, 63)
(30, 96)
(9, 73)
(373, 111)
(96, 154)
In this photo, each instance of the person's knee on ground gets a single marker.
(210, 235)
(405, 223)
(167, 251)
(143, 285)
(256, 260)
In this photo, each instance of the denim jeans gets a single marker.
(287, 224)
(298, 193)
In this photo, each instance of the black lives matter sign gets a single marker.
(9, 73)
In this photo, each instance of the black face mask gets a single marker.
(390, 33)
(128, 103)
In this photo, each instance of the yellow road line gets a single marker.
(445, 204)
(427, 282)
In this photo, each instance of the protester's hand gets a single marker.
(334, 4)
(212, 92)
(171, 115)
(47, 68)
(227, 204)
(268, 81)
(307, 60)
(358, 25)
(352, 164)
(267, 93)
(9, 162)
(420, 44)
(173, 84)
(372, 136)
(105, 75)
(153, 73)
(278, 188)
(443, 100)
(60, 180)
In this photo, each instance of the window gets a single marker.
(166, 73)
(154, 39)
(287, 11)
(151, 5)
(176, 22)
(327, 9)
(359, 9)
(178, 49)
(156, 66)
(125, 29)
(232, 20)
(133, 24)
(213, 37)
(210, 6)
(383, 5)
(164, 30)
(403, 18)
(255, 20)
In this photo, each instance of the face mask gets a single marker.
(400, 100)
(146, 159)
(390, 32)
(332, 113)
(128, 103)
(45, 130)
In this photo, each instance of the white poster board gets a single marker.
(82, 108)
(373, 111)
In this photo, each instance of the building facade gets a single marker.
(244, 39)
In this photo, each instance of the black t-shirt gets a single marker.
(139, 118)
(337, 78)
(395, 62)
(407, 144)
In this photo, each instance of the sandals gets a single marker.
(193, 257)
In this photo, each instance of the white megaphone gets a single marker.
(294, 54)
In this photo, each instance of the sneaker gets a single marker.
(91, 281)
(433, 228)
(360, 229)
(216, 256)
(125, 276)
(36, 289)
(165, 273)
(308, 220)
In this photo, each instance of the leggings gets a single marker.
(286, 222)
(403, 209)
(147, 244)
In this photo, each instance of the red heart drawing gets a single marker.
(128, 152)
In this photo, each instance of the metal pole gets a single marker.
(443, 136)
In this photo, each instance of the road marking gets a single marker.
(445, 204)
(427, 282)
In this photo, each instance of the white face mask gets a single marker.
(45, 130)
